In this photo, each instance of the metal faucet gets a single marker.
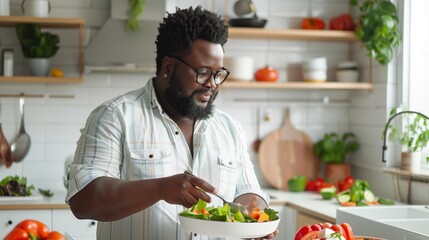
(387, 124)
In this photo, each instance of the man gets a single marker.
(130, 162)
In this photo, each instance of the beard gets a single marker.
(186, 105)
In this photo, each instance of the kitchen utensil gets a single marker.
(234, 206)
(243, 7)
(22, 142)
(285, 153)
(5, 152)
(247, 22)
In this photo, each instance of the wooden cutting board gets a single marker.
(287, 152)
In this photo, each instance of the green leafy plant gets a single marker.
(414, 135)
(136, 9)
(333, 148)
(377, 28)
(35, 43)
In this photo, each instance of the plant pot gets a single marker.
(410, 161)
(39, 66)
(337, 172)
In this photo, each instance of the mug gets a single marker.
(36, 8)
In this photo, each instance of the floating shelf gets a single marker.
(296, 85)
(292, 34)
(67, 23)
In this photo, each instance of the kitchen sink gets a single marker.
(390, 212)
(404, 222)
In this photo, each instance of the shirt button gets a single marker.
(176, 132)
(230, 163)
(150, 155)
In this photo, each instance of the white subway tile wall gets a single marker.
(54, 123)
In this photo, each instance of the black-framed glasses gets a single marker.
(204, 74)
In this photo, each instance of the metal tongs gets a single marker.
(235, 207)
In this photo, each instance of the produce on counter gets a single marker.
(15, 186)
(317, 184)
(328, 192)
(360, 194)
(224, 213)
(31, 229)
(297, 183)
(313, 23)
(325, 231)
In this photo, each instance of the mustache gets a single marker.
(203, 90)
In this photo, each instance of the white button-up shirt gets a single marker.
(131, 138)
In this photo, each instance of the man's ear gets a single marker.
(167, 65)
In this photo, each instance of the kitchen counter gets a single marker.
(307, 202)
(57, 201)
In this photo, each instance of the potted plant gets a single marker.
(413, 137)
(37, 46)
(377, 28)
(136, 9)
(333, 150)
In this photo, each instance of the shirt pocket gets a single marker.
(229, 172)
(150, 163)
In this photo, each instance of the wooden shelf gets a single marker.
(296, 85)
(292, 34)
(30, 79)
(67, 23)
(12, 21)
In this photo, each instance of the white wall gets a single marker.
(54, 123)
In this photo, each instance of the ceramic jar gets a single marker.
(36, 8)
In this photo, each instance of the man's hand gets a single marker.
(184, 189)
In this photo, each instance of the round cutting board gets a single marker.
(287, 152)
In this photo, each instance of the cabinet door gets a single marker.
(64, 221)
(10, 218)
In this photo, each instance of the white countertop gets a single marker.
(309, 202)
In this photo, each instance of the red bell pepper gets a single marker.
(313, 23)
(343, 22)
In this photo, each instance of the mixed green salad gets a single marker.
(15, 186)
(224, 213)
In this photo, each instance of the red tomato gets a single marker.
(338, 228)
(327, 225)
(17, 234)
(312, 23)
(343, 22)
(34, 227)
(316, 227)
(348, 231)
(55, 235)
(310, 236)
(267, 74)
(302, 232)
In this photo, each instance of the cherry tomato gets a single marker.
(313, 23)
(316, 227)
(310, 235)
(327, 225)
(17, 234)
(339, 229)
(302, 232)
(348, 231)
(55, 235)
(267, 74)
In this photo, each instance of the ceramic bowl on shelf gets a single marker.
(347, 72)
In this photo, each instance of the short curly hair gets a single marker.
(180, 29)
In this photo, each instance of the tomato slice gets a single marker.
(338, 228)
(316, 227)
(310, 235)
(348, 231)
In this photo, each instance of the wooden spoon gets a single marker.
(257, 142)
(5, 153)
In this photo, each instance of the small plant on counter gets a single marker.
(377, 28)
(334, 148)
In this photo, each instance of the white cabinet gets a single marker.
(9, 218)
(63, 221)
